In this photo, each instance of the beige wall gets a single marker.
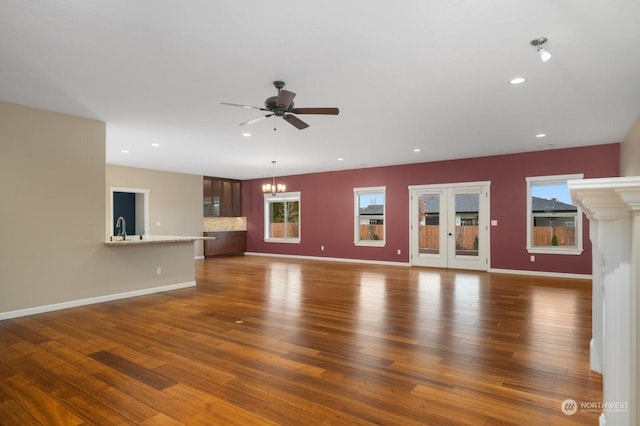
(630, 152)
(52, 218)
(175, 199)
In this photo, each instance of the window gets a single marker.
(282, 217)
(554, 224)
(369, 229)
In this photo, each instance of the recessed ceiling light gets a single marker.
(517, 80)
(416, 150)
(155, 145)
(125, 151)
(246, 134)
(340, 159)
(541, 135)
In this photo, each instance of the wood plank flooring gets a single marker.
(262, 341)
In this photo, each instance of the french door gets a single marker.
(450, 225)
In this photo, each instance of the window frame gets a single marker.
(553, 180)
(357, 192)
(278, 198)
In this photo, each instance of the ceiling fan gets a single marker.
(282, 106)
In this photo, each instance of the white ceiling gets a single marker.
(408, 74)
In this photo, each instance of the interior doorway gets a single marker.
(133, 205)
(450, 225)
(124, 205)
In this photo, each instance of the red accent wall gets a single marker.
(327, 205)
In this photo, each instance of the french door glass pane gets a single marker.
(467, 224)
(429, 224)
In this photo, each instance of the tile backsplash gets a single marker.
(213, 224)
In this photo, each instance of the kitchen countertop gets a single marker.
(152, 239)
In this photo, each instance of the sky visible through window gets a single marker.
(371, 200)
(559, 192)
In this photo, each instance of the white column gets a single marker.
(615, 248)
(613, 208)
(635, 316)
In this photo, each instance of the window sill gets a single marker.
(372, 243)
(553, 250)
(282, 240)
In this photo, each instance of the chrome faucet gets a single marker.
(121, 227)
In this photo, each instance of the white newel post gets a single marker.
(613, 208)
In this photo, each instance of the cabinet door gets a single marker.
(216, 197)
(226, 243)
(236, 200)
(236, 242)
(211, 196)
(207, 196)
(221, 197)
(217, 246)
(226, 204)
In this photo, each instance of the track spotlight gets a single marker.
(538, 42)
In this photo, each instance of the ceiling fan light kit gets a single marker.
(537, 43)
(282, 105)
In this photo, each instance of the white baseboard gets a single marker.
(198, 258)
(382, 262)
(541, 273)
(330, 259)
(92, 300)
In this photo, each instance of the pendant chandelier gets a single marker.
(272, 187)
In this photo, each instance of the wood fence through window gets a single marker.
(371, 232)
(565, 235)
(429, 237)
(276, 230)
(466, 237)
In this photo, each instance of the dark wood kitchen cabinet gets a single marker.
(227, 243)
(221, 197)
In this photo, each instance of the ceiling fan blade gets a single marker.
(285, 98)
(244, 106)
(326, 111)
(255, 120)
(295, 121)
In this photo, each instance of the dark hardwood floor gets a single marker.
(299, 342)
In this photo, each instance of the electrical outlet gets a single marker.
(533, 258)
(322, 248)
(158, 270)
(399, 251)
